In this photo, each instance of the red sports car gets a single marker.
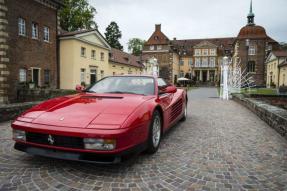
(116, 116)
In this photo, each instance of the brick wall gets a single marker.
(4, 60)
(25, 52)
(259, 58)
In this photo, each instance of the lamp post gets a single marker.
(225, 64)
(247, 44)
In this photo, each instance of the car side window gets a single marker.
(161, 83)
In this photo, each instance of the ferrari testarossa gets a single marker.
(112, 118)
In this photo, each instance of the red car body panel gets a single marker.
(124, 117)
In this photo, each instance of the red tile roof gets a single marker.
(280, 53)
(188, 44)
(158, 37)
(121, 57)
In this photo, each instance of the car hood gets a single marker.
(86, 110)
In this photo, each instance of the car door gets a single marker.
(165, 100)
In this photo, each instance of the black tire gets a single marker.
(184, 114)
(152, 148)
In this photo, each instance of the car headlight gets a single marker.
(99, 144)
(19, 135)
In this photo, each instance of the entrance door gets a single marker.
(93, 76)
(204, 76)
(36, 75)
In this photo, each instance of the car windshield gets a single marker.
(124, 85)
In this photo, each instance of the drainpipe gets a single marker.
(278, 81)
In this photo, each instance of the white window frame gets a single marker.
(35, 31)
(204, 62)
(159, 47)
(83, 51)
(22, 75)
(252, 50)
(93, 54)
(151, 47)
(205, 52)
(213, 52)
(197, 52)
(190, 62)
(83, 75)
(197, 62)
(21, 26)
(46, 34)
(212, 62)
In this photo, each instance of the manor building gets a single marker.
(28, 45)
(201, 59)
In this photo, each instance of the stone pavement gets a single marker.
(221, 146)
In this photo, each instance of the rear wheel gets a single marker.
(154, 133)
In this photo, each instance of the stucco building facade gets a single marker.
(276, 65)
(86, 57)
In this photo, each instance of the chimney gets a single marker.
(174, 38)
(158, 27)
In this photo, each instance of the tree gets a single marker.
(113, 34)
(77, 15)
(283, 45)
(135, 46)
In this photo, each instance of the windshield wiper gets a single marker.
(121, 92)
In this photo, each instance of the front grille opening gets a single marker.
(57, 140)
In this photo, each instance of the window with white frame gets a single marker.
(21, 26)
(213, 52)
(181, 62)
(151, 47)
(35, 31)
(22, 75)
(197, 62)
(205, 62)
(83, 75)
(47, 76)
(46, 34)
(252, 50)
(93, 54)
(159, 47)
(205, 52)
(83, 51)
(212, 62)
(181, 74)
(190, 62)
(197, 52)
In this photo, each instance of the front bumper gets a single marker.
(79, 156)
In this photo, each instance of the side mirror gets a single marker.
(79, 88)
(169, 89)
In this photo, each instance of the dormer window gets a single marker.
(155, 37)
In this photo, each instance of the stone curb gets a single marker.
(11, 111)
(274, 116)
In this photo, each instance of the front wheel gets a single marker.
(184, 114)
(154, 133)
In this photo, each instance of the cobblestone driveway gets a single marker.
(221, 146)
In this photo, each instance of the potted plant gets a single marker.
(31, 85)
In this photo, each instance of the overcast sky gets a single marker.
(190, 19)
